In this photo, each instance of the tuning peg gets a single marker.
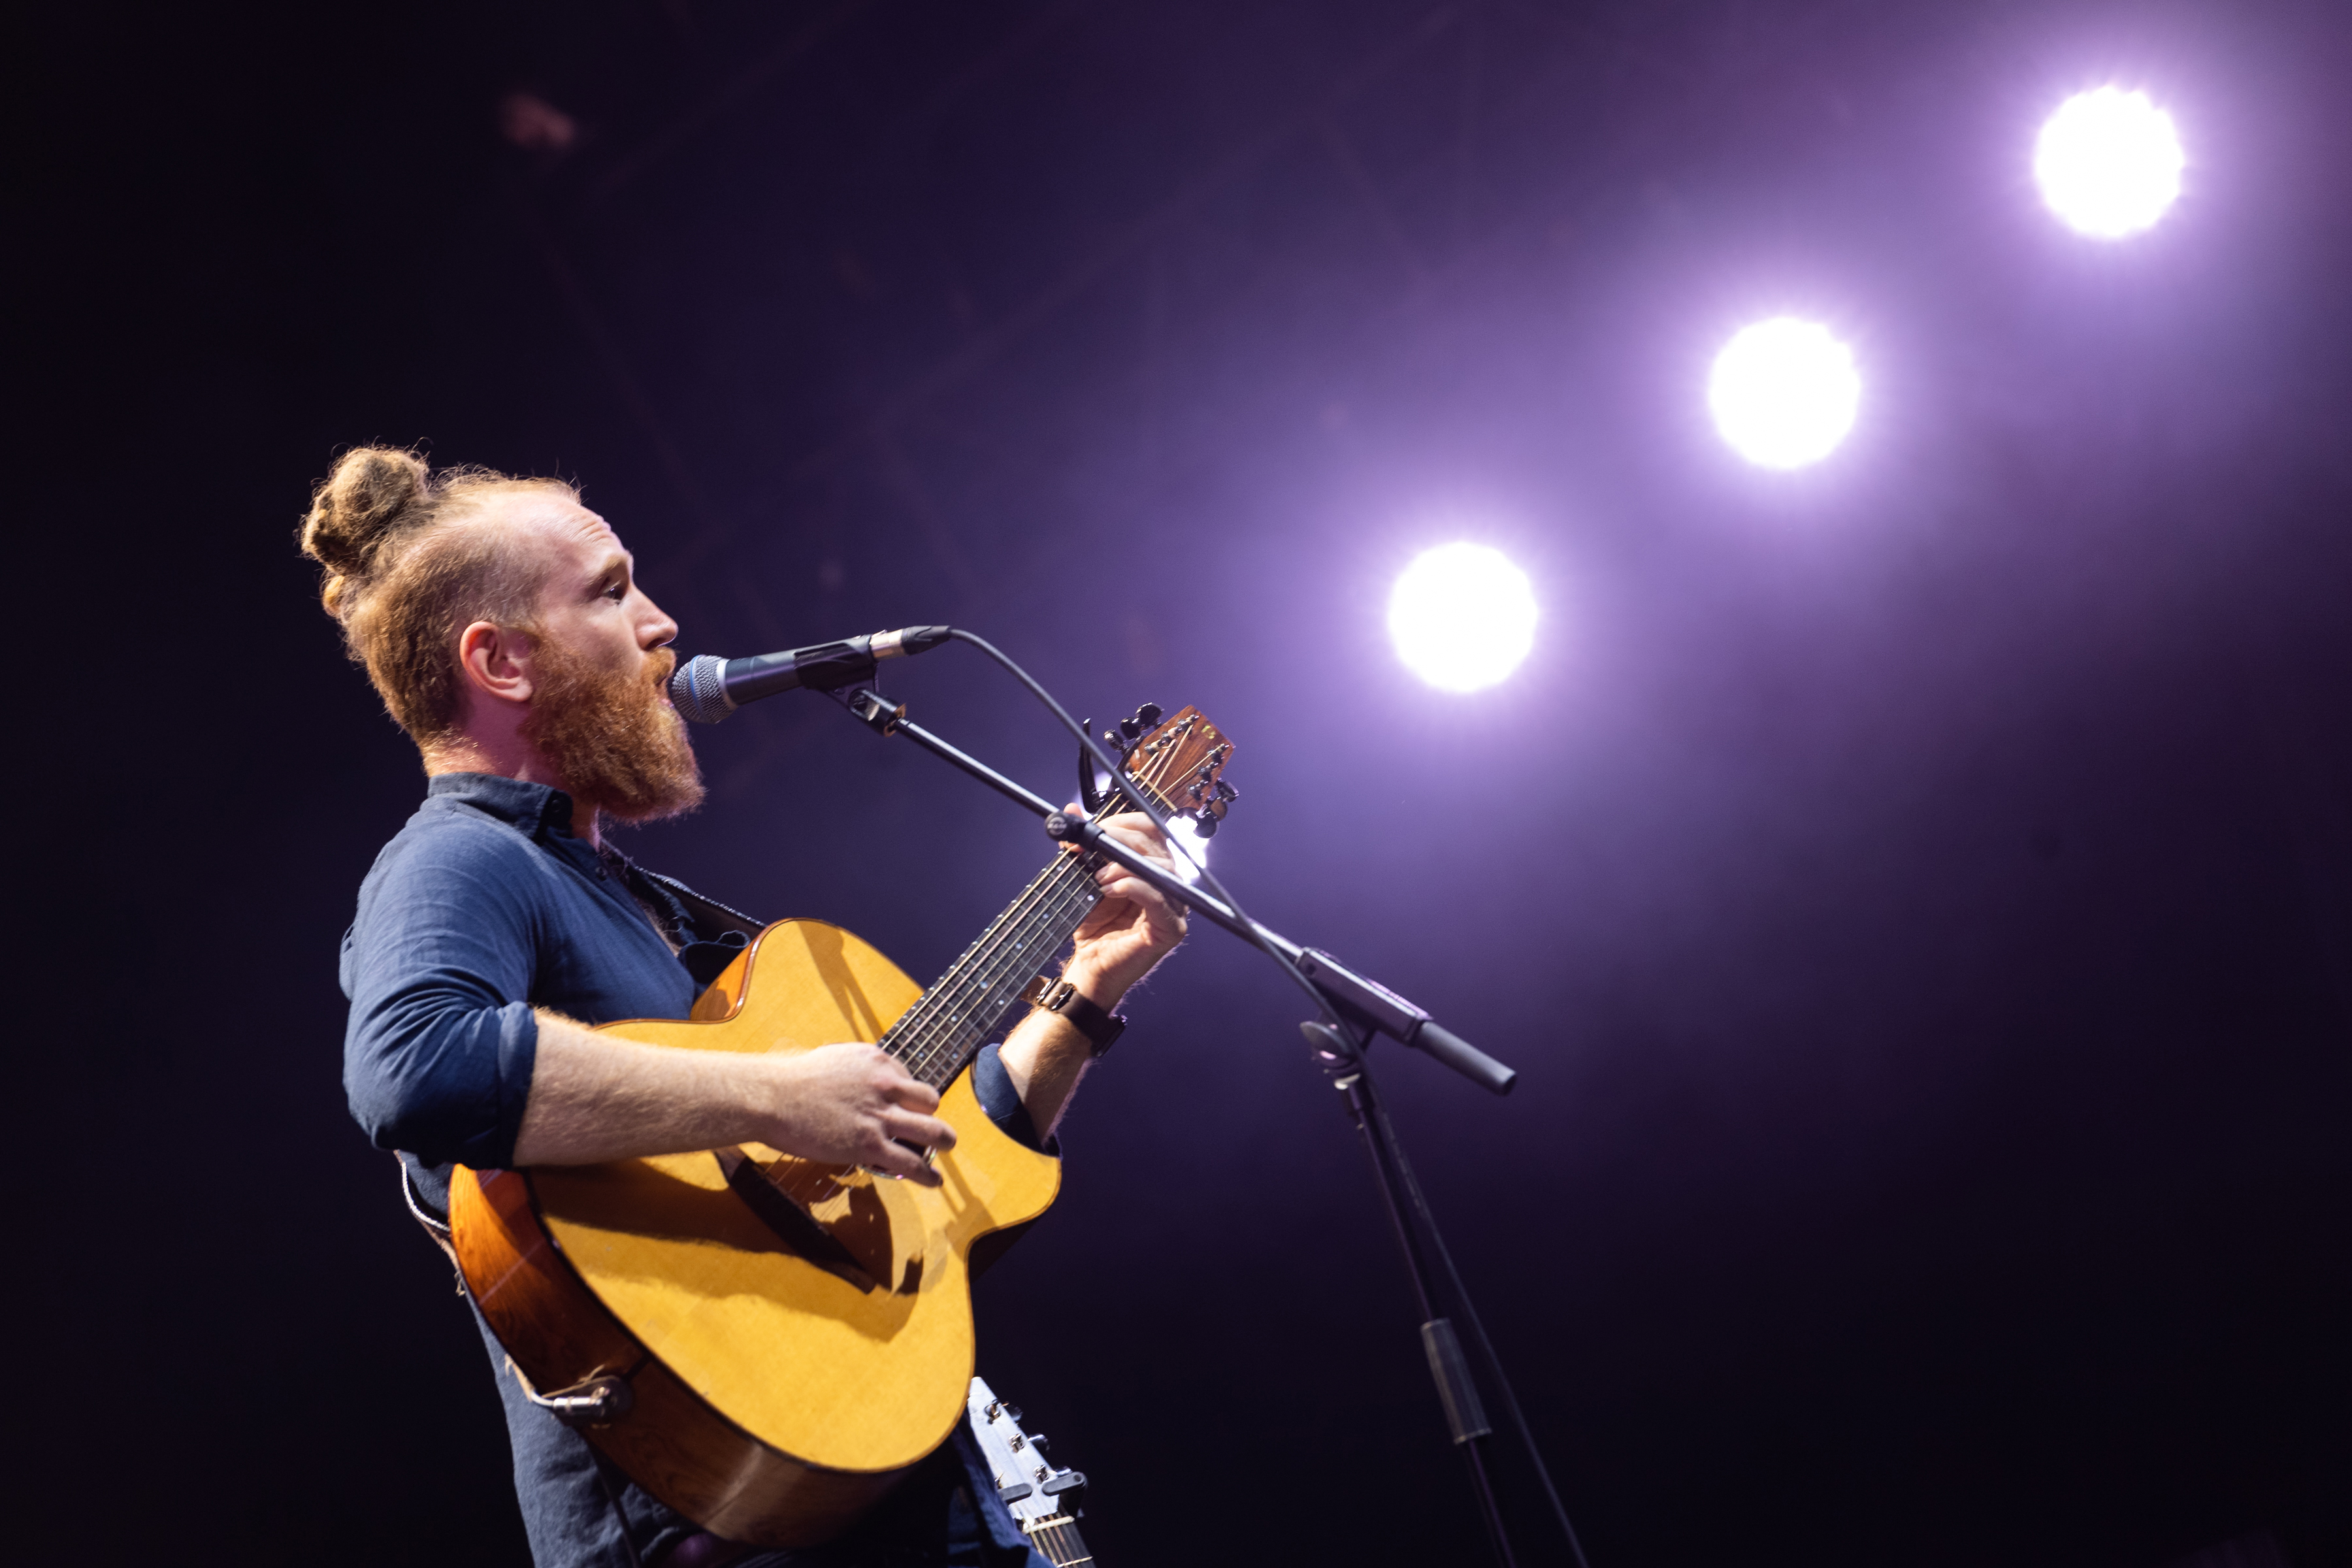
(1204, 825)
(1147, 716)
(1226, 791)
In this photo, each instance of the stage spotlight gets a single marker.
(1784, 393)
(1462, 617)
(2108, 163)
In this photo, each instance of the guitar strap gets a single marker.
(710, 916)
(708, 935)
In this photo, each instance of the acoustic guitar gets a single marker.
(763, 1343)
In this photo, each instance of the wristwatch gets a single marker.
(1060, 996)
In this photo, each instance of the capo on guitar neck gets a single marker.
(1129, 732)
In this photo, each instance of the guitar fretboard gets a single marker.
(943, 1031)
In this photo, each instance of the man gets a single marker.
(502, 624)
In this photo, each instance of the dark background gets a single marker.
(1917, 891)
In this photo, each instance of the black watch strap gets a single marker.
(1060, 996)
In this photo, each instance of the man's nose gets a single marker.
(660, 630)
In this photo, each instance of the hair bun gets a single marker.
(372, 492)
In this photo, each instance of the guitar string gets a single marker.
(980, 993)
(996, 980)
(975, 995)
(945, 1006)
(810, 1176)
(984, 967)
(1039, 907)
(992, 958)
(947, 1011)
(1049, 1539)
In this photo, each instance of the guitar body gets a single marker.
(779, 1379)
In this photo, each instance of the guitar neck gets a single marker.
(942, 1032)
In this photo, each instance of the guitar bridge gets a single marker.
(856, 1245)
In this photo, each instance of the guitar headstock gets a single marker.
(1180, 760)
(1042, 1497)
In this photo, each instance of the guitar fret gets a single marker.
(940, 1033)
(947, 1026)
(951, 997)
(1053, 915)
(1014, 961)
(953, 1001)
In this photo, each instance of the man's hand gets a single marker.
(849, 1104)
(1122, 937)
(594, 1096)
(1134, 927)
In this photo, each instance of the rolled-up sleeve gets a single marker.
(438, 1053)
(992, 1085)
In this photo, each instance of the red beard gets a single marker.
(611, 736)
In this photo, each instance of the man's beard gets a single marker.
(611, 736)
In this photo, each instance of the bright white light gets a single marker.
(1784, 393)
(2108, 163)
(1462, 617)
(1182, 827)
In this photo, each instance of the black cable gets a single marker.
(1144, 804)
(1387, 1133)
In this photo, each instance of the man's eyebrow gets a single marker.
(619, 562)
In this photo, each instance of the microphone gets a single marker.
(707, 688)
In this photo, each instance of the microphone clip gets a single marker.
(874, 710)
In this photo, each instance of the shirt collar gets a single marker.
(537, 809)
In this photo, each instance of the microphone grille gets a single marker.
(698, 690)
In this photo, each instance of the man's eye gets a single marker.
(617, 592)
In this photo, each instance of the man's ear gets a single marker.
(496, 661)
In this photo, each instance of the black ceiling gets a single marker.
(1914, 893)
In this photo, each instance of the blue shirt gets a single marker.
(481, 909)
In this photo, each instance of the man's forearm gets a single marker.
(1117, 945)
(596, 1097)
(1045, 1054)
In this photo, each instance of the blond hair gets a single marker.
(412, 558)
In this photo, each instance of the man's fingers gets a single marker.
(896, 1159)
(914, 1094)
(926, 1130)
(1136, 831)
(1135, 890)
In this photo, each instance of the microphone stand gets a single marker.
(1365, 1007)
